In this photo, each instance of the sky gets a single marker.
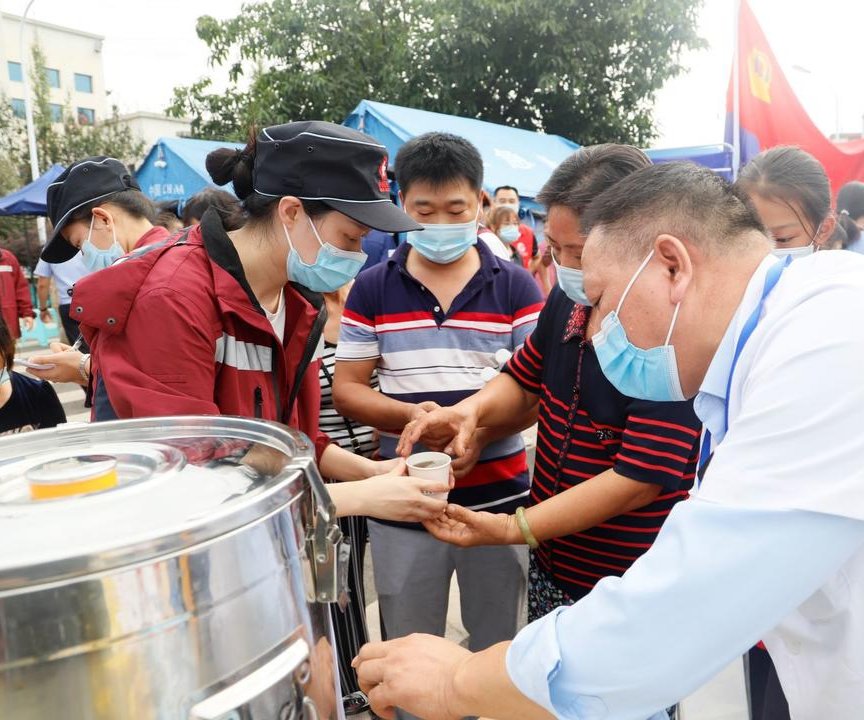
(152, 47)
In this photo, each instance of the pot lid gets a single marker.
(82, 499)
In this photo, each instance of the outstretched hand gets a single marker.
(395, 496)
(467, 528)
(414, 673)
(443, 429)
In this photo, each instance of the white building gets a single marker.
(73, 63)
(149, 126)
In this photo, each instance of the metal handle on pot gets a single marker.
(236, 697)
(325, 543)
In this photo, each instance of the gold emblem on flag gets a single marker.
(759, 71)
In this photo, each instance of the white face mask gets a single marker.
(794, 253)
(799, 252)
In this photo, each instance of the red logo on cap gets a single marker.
(383, 184)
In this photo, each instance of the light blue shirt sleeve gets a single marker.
(715, 580)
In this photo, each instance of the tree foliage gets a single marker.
(586, 69)
(72, 138)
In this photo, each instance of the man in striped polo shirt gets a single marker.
(609, 468)
(433, 321)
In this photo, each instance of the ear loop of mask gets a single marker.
(633, 280)
(816, 246)
(630, 285)
(291, 245)
(315, 230)
(90, 232)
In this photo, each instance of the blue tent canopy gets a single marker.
(32, 199)
(511, 156)
(174, 168)
(715, 157)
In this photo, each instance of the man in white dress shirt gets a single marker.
(772, 545)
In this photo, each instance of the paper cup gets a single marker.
(431, 466)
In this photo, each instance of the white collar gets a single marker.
(712, 392)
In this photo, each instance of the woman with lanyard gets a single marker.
(218, 322)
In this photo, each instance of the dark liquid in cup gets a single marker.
(426, 464)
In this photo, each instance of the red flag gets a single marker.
(770, 114)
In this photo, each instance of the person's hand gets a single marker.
(384, 467)
(467, 528)
(28, 323)
(45, 317)
(65, 361)
(467, 451)
(465, 463)
(395, 496)
(414, 673)
(445, 429)
(422, 408)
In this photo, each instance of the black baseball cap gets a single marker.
(83, 182)
(340, 167)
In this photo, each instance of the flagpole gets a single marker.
(736, 93)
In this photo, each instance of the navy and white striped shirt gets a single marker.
(425, 354)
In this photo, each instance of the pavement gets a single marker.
(723, 698)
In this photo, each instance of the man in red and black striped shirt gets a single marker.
(608, 468)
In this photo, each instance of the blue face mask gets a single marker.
(95, 259)
(509, 234)
(644, 374)
(571, 282)
(444, 244)
(332, 268)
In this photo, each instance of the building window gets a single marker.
(53, 77)
(19, 110)
(15, 73)
(83, 83)
(86, 116)
(56, 112)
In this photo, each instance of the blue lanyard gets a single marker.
(771, 279)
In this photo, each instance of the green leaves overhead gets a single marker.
(586, 69)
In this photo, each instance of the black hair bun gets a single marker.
(226, 165)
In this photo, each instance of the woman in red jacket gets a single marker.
(14, 294)
(230, 322)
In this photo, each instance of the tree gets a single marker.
(75, 139)
(13, 153)
(303, 59)
(586, 69)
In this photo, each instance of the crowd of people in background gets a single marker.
(385, 310)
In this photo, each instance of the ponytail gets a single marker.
(235, 166)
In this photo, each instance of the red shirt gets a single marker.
(585, 426)
(525, 246)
